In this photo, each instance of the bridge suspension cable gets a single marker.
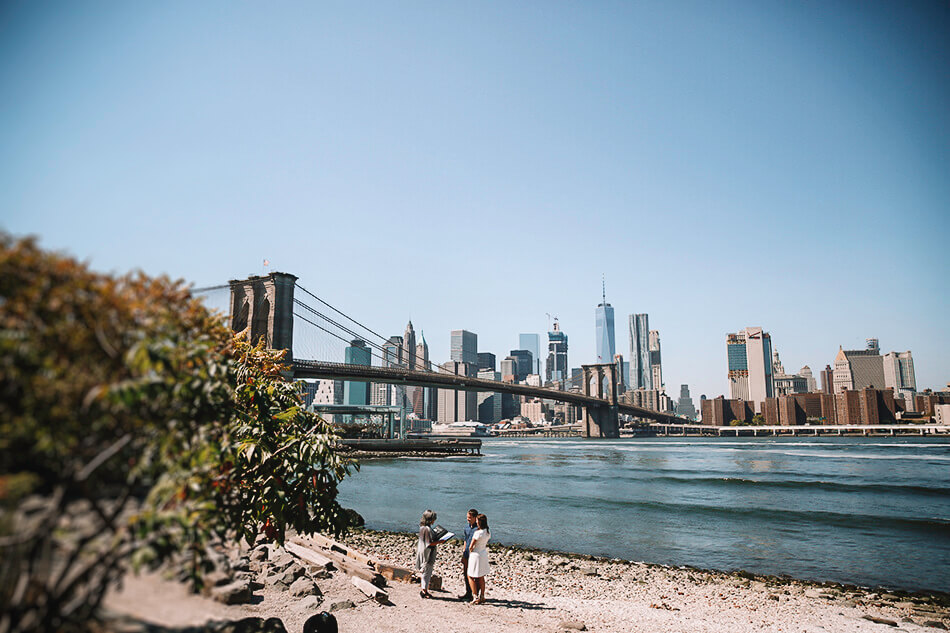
(351, 332)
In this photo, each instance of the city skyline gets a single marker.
(546, 145)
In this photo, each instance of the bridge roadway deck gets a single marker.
(398, 376)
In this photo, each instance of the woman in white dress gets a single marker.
(478, 559)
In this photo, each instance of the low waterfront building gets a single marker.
(865, 406)
(926, 403)
(722, 411)
(800, 408)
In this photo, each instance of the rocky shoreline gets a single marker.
(579, 575)
(528, 590)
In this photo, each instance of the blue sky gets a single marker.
(478, 165)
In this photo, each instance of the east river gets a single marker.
(868, 511)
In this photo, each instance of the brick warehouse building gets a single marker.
(720, 411)
(800, 408)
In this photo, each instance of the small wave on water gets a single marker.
(854, 455)
(807, 484)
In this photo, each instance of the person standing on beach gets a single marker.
(425, 551)
(478, 559)
(467, 533)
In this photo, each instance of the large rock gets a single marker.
(303, 586)
(292, 573)
(283, 561)
(339, 606)
(572, 625)
(238, 592)
(240, 564)
(310, 603)
(353, 518)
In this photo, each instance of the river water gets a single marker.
(868, 511)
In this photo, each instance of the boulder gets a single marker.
(572, 625)
(240, 564)
(238, 592)
(339, 606)
(217, 578)
(259, 553)
(303, 586)
(289, 575)
(311, 603)
(353, 518)
(936, 624)
(283, 561)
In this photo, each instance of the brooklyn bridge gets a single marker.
(277, 308)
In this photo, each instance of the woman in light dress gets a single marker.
(478, 559)
(425, 551)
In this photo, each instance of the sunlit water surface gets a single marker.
(870, 511)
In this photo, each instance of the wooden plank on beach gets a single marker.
(395, 573)
(348, 565)
(334, 546)
(370, 590)
(307, 554)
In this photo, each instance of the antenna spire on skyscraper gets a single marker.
(603, 281)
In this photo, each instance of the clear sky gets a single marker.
(478, 165)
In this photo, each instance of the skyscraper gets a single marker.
(684, 406)
(827, 380)
(557, 355)
(489, 403)
(409, 347)
(464, 347)
(604, 330)
(525, 363)
(899, 372)
(859, 368)
(458, 406)
(383, 394)
(656, 366)
(486, 360)
(422, 354)
(424, 399)
(749, 354)
(641, 370)
(358, 353)
(738, 366)
(810, 382)
(532, 343)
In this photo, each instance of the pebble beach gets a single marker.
(531, 590)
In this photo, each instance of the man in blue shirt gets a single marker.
(467, 533)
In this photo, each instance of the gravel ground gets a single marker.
(543, 591)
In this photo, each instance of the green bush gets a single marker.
(126, 394)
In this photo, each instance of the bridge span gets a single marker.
(264, 307)
(399, 376)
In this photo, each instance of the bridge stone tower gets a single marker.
(265, 305)
(602, 420)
